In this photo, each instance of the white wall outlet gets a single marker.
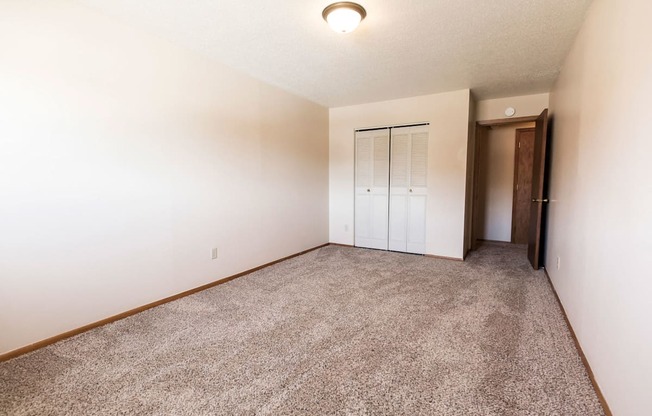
(346, 227)
(558, 262)
(214, 253)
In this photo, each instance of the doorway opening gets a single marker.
(500, 158)
(508, 173)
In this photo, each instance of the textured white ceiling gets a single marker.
(403, 48)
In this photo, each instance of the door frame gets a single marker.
(485, 125)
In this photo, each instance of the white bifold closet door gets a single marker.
(391, 167)
(408, 189)
(371, 188)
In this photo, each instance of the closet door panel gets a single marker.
(408, 189)
(391, 189)
(371, 189)
(418, 159)
(379, 220)
(416, 225)
(363, 175)
(398, 221)
(380, 191)
(381, 162)
(418, 191)
(399, 180)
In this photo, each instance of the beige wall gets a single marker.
(448, 115)
(497, 180)
(124, 159)
(600, 217)
(525, 105)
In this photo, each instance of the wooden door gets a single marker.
(408, 189)
(371, 188)
(537, 200)
(523, 160)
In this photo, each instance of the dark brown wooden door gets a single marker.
(523, 160)
(537, 198)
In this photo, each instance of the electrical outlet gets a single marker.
(214, 253)
(558, 262)
(346, 227)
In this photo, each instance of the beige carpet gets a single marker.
(336, 331)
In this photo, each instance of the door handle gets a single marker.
(539, 200)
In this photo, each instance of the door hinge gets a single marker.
(519, 144)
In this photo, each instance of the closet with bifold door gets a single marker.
(391, 169)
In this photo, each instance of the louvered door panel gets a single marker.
(408, 191)
(371, 188)
(399, 181)
(381, 160)
(391, 178)
(363, 166)
(418, 191)
(419, 160)
(400, 160)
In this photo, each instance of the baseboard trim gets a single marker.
(496, 242)
(341, 245)
(48, 341)
(596, 387)
(433, 256)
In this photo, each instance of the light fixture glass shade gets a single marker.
(344, 17)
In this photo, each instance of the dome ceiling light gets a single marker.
(344, 16)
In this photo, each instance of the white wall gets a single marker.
(525, 105)
(448, 115)
(600, 222)
(124, 159)
(498, 181)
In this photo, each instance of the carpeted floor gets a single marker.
(336, 331)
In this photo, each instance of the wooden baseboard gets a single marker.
(433, 256)
(341, 245)
(496, 242)
(40, 344)
(589, 371)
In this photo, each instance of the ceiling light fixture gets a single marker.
(344, 16)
